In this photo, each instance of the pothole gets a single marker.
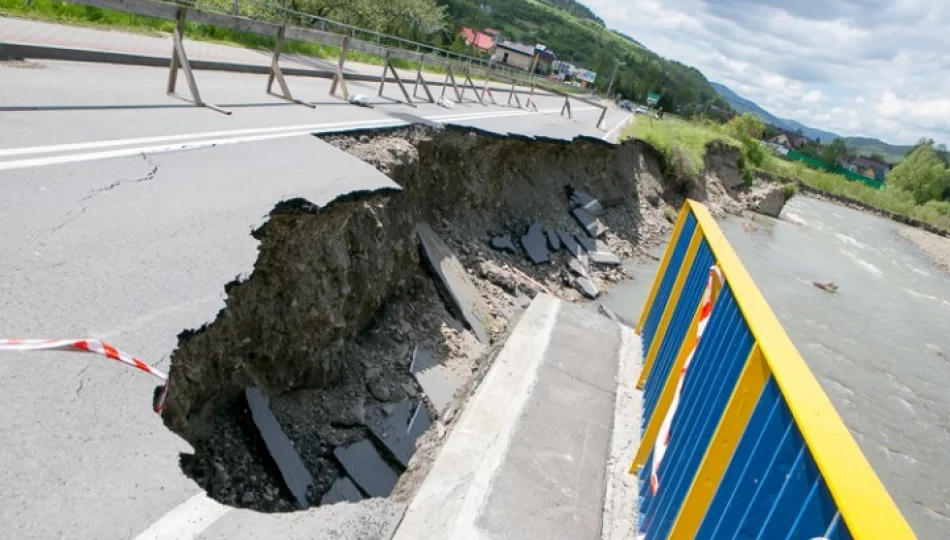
(340, 302)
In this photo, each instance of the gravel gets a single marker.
(936, 247)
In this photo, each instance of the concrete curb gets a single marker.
(19, 51)
(449, 500)
(620, 500)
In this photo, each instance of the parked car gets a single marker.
(626, 105)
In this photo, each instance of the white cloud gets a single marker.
(856, 67)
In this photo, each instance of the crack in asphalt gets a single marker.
(148, 177)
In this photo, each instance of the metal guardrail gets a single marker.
(281, 31)
(749, 445)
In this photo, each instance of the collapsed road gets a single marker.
(344, 297)
(337, 315)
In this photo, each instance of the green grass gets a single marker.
(673, 136)
(683, 143)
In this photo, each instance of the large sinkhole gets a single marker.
(352, 335)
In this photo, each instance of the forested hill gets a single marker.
(577, 35)
(576, 9)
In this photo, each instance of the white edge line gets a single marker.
(194, 145)
(187, 520)
(619, 125)
(70, 147)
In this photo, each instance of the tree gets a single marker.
(746, 125)
(834, 152)
(877, 156)
(922, 174)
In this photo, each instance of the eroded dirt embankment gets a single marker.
(338, 299)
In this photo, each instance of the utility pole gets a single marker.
(614, 76)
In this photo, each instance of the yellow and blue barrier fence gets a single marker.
(738, 438)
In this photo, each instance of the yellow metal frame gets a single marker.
(670, 307)
(667, 255)
(866, 507)
(723, 444)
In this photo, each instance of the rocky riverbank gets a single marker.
(935, 246)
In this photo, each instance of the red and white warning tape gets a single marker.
(93, 346)
(713, 285)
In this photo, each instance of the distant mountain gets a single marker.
(743, 105)
(891, 153)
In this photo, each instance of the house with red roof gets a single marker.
(480, 40)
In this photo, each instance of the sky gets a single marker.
(878, 68)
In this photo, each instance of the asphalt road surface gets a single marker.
(123, 212)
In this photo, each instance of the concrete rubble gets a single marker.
(458, 285)
(535, 244)
(584, 200)
(439, 383)
(503, 243)
(294, 473)
(399, 428)
(367, 468)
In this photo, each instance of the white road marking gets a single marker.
(186, 521)
(619, 125)
(205, 139)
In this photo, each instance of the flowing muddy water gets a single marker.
(880, 347)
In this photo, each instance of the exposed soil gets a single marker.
(339, 296)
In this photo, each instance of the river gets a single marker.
(880, 347)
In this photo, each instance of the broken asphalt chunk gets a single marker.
(577, 267)
(535, 244)
(601, 254)
(438, 382)
(570, 244)
(367, 468)
(582, 199)
(462, 293)
(503, 243)
(422, 359)
(294, 473)
(553, 241)
(343, 489)
(399, 430)
(591, 224)
(586, 287)
(589, 244)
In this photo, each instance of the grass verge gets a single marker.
(683, 143)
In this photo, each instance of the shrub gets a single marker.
(940, 207)
(789, 190)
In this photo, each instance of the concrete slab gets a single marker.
(398, 430)
(591, 224)
(343, 489)
(366, 467)
(535, 244)
(554, 242)
(503, 243)
(586, 286)
(294, 473)
(578, 268)
(529, 456)
(570, 244)
(601, 254)
(582, 199)
(439, 383)
(461, 290)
